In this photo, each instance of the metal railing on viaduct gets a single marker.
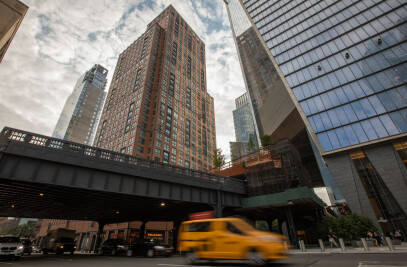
(45, 177)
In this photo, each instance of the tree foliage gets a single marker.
(24, 230)
(218, 158)
(250, 145)
(265, 140)
(349, 227)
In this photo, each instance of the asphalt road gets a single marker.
(301, 260)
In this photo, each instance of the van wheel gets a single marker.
(255, 258)
(129, 253)
(150, 253)
(191, 257)
(45, 252)
(114, 252)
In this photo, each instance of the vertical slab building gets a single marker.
(341, 69)
(244, 129)
(158, 106)
(80, 115)
(12, 13)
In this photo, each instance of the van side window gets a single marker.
(199, 227)
(233, 229)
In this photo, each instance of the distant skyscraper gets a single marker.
(80, 115)
(244, 128)
(339, 70)
(158, 106)
(12, 13)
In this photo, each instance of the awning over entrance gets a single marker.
(301, 198)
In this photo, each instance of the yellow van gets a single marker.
(228, 238)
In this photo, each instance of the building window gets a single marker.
(401, 148)
(166, 157)
(384, 204)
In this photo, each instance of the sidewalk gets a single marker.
(352, 250)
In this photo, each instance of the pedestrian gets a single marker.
(378, 239)
(332, 237)
(398, 235)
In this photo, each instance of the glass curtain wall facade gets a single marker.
(345, 61)
(245, 131)
(274, 111)
(385, 206)
(345, 67)
(80, 116)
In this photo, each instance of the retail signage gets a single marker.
(202, 215)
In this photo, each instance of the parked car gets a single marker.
(114, 247)
(27, 244)
(149, 249)
(36, 249)
(228, 238)
(11, 247)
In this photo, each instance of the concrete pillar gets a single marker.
(364, 243)
(321, 245)
(302, 245)
(389, 243)
(342, 244)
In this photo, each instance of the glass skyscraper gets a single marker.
(80, 116)
(343, 65)
(244, 129)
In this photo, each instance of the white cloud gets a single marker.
(58, 41)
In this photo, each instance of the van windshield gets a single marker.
(66, 240)
(9, 239)
(243, 226)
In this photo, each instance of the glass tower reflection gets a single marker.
(345, 61)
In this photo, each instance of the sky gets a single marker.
(60, 40)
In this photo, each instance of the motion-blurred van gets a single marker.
(228, 239)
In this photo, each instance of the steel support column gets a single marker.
(218, 206)
(98, 234)
(291, 227)
(142, 230)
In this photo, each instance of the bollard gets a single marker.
(302, 245)
(364, 243)
(321, 245)
(390, 243)
(342, 244)
(285, 245)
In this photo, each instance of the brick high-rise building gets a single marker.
(158, 106)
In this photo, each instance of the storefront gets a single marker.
(155, 236)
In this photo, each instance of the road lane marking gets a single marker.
(361, 264)
(165, 264)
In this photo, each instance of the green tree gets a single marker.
(349, 227)
(265, 140)
(24, 230)
(218, 158)
(250, 145)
